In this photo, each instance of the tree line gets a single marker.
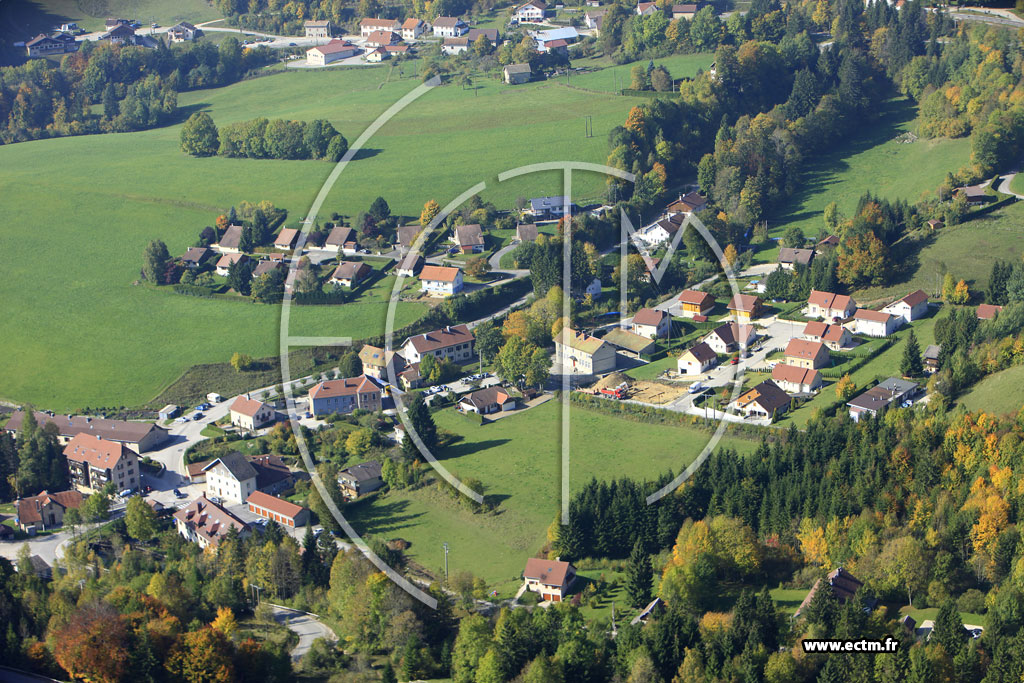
(263, 138)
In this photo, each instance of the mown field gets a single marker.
(77, 332)
(518, 460)
(1002, 392)
(612, 77)
(91, 14)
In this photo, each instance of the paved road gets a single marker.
(306, 625)
(51, 546)
(1004, 185)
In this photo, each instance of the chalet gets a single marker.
(687, 11)
(322, 55)
(266, 266)
(695, 303)
(551, 579)
(764, 401)
(342, 396)
(835, 337)
(183, 32)
(685, 204)
(406, 235)
(516, 74)
(531, 13)
(412, 28)
(973, 194)
(138, 436)
(410, 378)
(250, 414)
(231, 239)
(93, 463)
(830, 242)
(454, 343)
(840, 582)
(46, 510)
(803, 353)
(469, 238)
(360, 479)
(934, 224)
(230, 477)
(378, 363)
(350, 273)
(441, 280)
(320, 30)
(382, 38)
(491, 34)
(697, 359)
(283, 512)
(526, 232)
(790, 258)
(56, 44)
(878, 398)
(206, 523)
(341, 239)
(580, 353)
(368, 26)
(630, 342)
(454, 46)
(745, 307)
(829, 306)
(487, 401)
(195, 257)
(646, 9)
(449, 27)
(987, 311)
(651, 322)
(410, 265)
(796, 380)
(910, 308)
(663, 230)
(874, 323)
(225, 262)
(730, 337)
(122, 34)
(549, 207)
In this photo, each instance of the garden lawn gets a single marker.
(788, 599)
(1002, 392)
(872, 160)
(517, 459)
(77, 332)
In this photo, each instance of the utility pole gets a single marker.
(445, 546)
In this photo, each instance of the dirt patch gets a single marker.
(640, 390)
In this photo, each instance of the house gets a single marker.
(441, 280)
(204, 522)
(687, 11)
(397, 49)
(195, 257)
(368, 26)
(803, 353)
(593, 18)
(350, 273)
(138, 436)
(790, 258)
(341, 239)
(796, 380)
(526, 232)
(225, 262)
(283, 512)
(934, 224)
(842, 583)
(730, 337)
(491, 34)
(691, 202)
(531, 13)
(410, 265)
(469, 238)
(95, 462)
(765, 401)
(974, 194)
(663, 230)
(745, 307)
(266, 266)
(360, 479)
(378, 363)
(651, 322)
(37, 566)
(630, 342)
(449, 27)
(580, 353)
(322, 30)
(46, 510)
(875, 323)
(549, 578)
(230, 477)
(646, 9)
(454, 343)
(516, 74)
(322, 55)
(487, 401)
(557, 46)
(122, 34)
(830, 242)
(56, 44)
(549, 207)
(696, 303)
(931, 358)
(987, 311)
(697, 359)
(454, 46)
(183, 32)
(829, 306)
(593, 289)
(231, 239)
(835, 337)
(250, 414)
(382, 38)
(406, 235)
(910, 308)
(410, 378)
(412, 28)
(343, 396)
(879, 397)
(377, 55)
(272, 474)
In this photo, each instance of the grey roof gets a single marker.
(474, 33)
(361, 472)
(548, 203)
(791, 255)
(232, 237)
(880, 396)
(518, 69)
(406, 234)
(932, 351)
(69, 425)
(469, 235)
(237, 464)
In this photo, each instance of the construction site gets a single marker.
(618, 386)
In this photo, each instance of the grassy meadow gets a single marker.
(1002, 392)
(517, 458)
(40, 15)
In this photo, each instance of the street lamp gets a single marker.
(445, 546)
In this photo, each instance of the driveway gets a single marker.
(308, 627)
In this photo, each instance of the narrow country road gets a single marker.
(307, 626)
(1004, 185)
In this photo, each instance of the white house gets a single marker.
(331, 52)
(696, 359)
(251, 414)
(910, 308)
(231, 477)
(651, 322)
(454, 343)
(369, 25)
(532, 12)
(829, 306)
(646, 9)
(795, 380)
(730, 337)
(580, 353)
(440, 280)
(551, 579)
(765, 401)
(413, 28)
(835, 337)
(454, 46)
(341, 239)
(875, 323)
(449, 27)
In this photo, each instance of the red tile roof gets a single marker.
(349, 386)
(548, 572)
(287, 237)
(274, 504)
(804, 348)
(96, 452)
(29, 509)
(247, 406)
(439, 273)
(208, 520)
(873, 316)
(440, 339)
(829, 300)
(987, 311)
(914, 298)
(791, 373)
(649, 316)
(692, 296)
(744, 302)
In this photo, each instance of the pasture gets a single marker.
(1002, 392)
(41, 15)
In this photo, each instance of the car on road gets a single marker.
(127, 493)
(696, 387)
(198, 416)
(735, 360)
(291, 44)
(183, 418)
(154, 25)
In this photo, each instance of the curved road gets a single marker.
(307, 626)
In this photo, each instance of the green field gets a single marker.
(518, 460)
(77, 332)
(870, 161)
(1002, 392)
(612, 78)
(41, 15)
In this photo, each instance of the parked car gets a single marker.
(197, 416)
(179, 494)
(127, 493)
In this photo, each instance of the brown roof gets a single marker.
(266, 266)
(232, 237)
(744, 302)
(447, 22)
(411, 23)
(485, 397)
(375, 357)
(830, 241)
(439, 273)
(469, 235)
(842, 583)
(548, 572)
(274, 504)
(96, 452)
(649, 316)
(527, 232)
(474, 34)
(247, 406)
(208, 520)
(335, 45)
(440, 339)
(29, 509)
(457, 40)
(804, 348)
(383, 23)
(407, 234)
(195, 254)
(684, 8)
(733, 333)
(226, 260)
(767, 394)
(791, 255)
(383, 37)
(340, 235)
(791, 373)
(692, 296)
(987, 311)
(68, 426)
(914, 298)
(351, 270)
(829, 300)
(691, 201)
(822, 330)
(868, 314)
(702, 352)
(349, 386)
(287, 236)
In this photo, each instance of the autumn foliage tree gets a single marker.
(430, 211)
(202, 656)
(94, 644)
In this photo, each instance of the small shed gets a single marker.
(169, 411)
